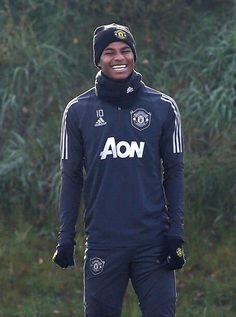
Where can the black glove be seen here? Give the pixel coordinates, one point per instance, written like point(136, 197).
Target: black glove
point(175, 254)
point(64, 255)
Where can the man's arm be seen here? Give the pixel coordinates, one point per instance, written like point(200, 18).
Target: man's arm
point(71, 186)
point(173, 182)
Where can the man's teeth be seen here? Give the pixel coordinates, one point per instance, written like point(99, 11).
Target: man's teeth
point(118, 66)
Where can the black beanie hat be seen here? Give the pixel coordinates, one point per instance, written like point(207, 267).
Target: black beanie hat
point(106, 34)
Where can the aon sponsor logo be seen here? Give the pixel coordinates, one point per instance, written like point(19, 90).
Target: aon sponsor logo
point(122, 149)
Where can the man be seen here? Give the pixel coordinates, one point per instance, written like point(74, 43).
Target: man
point(128, 139)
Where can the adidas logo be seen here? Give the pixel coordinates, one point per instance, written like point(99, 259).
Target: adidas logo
point(100, 122)
point(129, 89)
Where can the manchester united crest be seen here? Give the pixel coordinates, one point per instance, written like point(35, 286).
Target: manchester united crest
point(120, 34)
point(140, 119)
point(96, 265)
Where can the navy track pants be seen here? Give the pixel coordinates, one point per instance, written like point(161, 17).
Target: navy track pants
point(108, 271)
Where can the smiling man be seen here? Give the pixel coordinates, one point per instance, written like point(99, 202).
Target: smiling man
point(117, 61)
point(128, 139)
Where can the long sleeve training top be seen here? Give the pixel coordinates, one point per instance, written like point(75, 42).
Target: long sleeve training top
point(129, 163)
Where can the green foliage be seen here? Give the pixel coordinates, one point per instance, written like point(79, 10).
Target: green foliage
point(209, 115)
point(46, 60)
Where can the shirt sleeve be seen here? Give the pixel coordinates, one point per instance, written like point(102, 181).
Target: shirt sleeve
point(173, 169)
point(71, 148)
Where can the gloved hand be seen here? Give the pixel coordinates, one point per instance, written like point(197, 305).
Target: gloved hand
point(64, 255)
point(175, 254)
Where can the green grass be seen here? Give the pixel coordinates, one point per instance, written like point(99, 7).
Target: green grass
point(33, 286)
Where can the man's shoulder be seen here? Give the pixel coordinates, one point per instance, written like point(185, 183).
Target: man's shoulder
point(81, 100)
point(86, 95)
point(158, 97)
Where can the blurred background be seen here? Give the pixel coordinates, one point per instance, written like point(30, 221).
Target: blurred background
point(186, 49)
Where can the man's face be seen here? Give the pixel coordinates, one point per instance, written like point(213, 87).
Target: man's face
point(117, 61)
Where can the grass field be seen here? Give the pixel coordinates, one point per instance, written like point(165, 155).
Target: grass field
point(32, 286)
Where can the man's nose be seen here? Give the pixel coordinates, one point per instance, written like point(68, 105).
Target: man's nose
point(118, 56)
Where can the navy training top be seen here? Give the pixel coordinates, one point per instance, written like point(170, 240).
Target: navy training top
point(134, 170)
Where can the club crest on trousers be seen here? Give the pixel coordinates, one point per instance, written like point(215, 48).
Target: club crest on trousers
point(96, 265)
